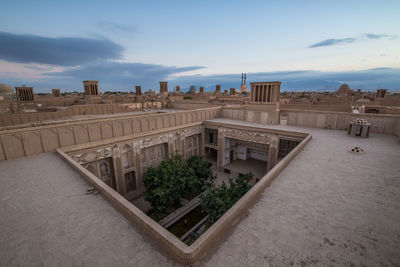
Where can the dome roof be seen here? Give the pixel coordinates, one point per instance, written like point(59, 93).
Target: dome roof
point(344, 87)
point(5, 89)
point(344, 90)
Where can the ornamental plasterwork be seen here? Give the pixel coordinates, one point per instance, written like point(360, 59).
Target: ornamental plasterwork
point(163, 138)
point(250, 136)
point(192, 131)
point(94, 155)
point(116, 151)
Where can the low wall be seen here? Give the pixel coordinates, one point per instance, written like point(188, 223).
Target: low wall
point(187, 104)
point(322, 106)
point(166, 240)
point(34, 140)
point(251, 115)
point(95, 109)
point(387, 124)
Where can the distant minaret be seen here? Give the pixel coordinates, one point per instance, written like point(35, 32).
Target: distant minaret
point(243, 87)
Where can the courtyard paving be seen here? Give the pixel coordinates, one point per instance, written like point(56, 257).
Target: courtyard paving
point(328, 207)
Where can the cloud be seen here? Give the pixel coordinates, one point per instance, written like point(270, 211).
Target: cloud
point(64, 51)
point(375, 36)
point(119, 75)
point(330, 42)
point(370, 79)
point(366, 36)
point(123, 76)
point(117, 29)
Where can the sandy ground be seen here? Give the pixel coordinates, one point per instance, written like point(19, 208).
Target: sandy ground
point(46, 219)
point(328, 207)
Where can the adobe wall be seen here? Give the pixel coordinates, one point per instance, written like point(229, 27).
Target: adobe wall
point(49, 101)
point(383, 109)
point(322, 106)
point(191, 104)
point(388, 124)
point(247, 113)
point(23, 118)
point(34, 140)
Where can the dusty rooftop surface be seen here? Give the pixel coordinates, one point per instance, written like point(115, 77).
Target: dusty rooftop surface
point(328, 207)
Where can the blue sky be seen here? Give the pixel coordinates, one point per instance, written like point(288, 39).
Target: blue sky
point(308, 45)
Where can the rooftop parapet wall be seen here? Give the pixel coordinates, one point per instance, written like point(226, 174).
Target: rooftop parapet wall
point(247, 113)
point(387, 124)
point(24, 118)
point(186, 104)
point(380, 123)
point(323, 106)
point(34, 140)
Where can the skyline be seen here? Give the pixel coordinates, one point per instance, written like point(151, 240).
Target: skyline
point(305, 45)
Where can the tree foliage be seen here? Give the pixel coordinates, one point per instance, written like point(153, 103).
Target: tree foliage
point(163, 183)
point(201, 169)
point(174, 179)
point(217, 200)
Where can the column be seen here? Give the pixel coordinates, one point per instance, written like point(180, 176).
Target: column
point(119, 176)
point(182, 145)
point(278, 92)
point(138, 164)
point(272, 152)
point(220, 152)
point(171, 150)
point(271, 93)
point(263, 94)
point(201, 143)
point(258, 93)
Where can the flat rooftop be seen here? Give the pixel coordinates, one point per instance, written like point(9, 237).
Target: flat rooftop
point(328, 207)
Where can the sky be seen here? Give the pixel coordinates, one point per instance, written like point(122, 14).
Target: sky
point(308, 45)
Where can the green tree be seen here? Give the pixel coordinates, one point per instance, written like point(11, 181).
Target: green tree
point(175, 178)
point(217, 200)
point(165, 183)
point(201, 169)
